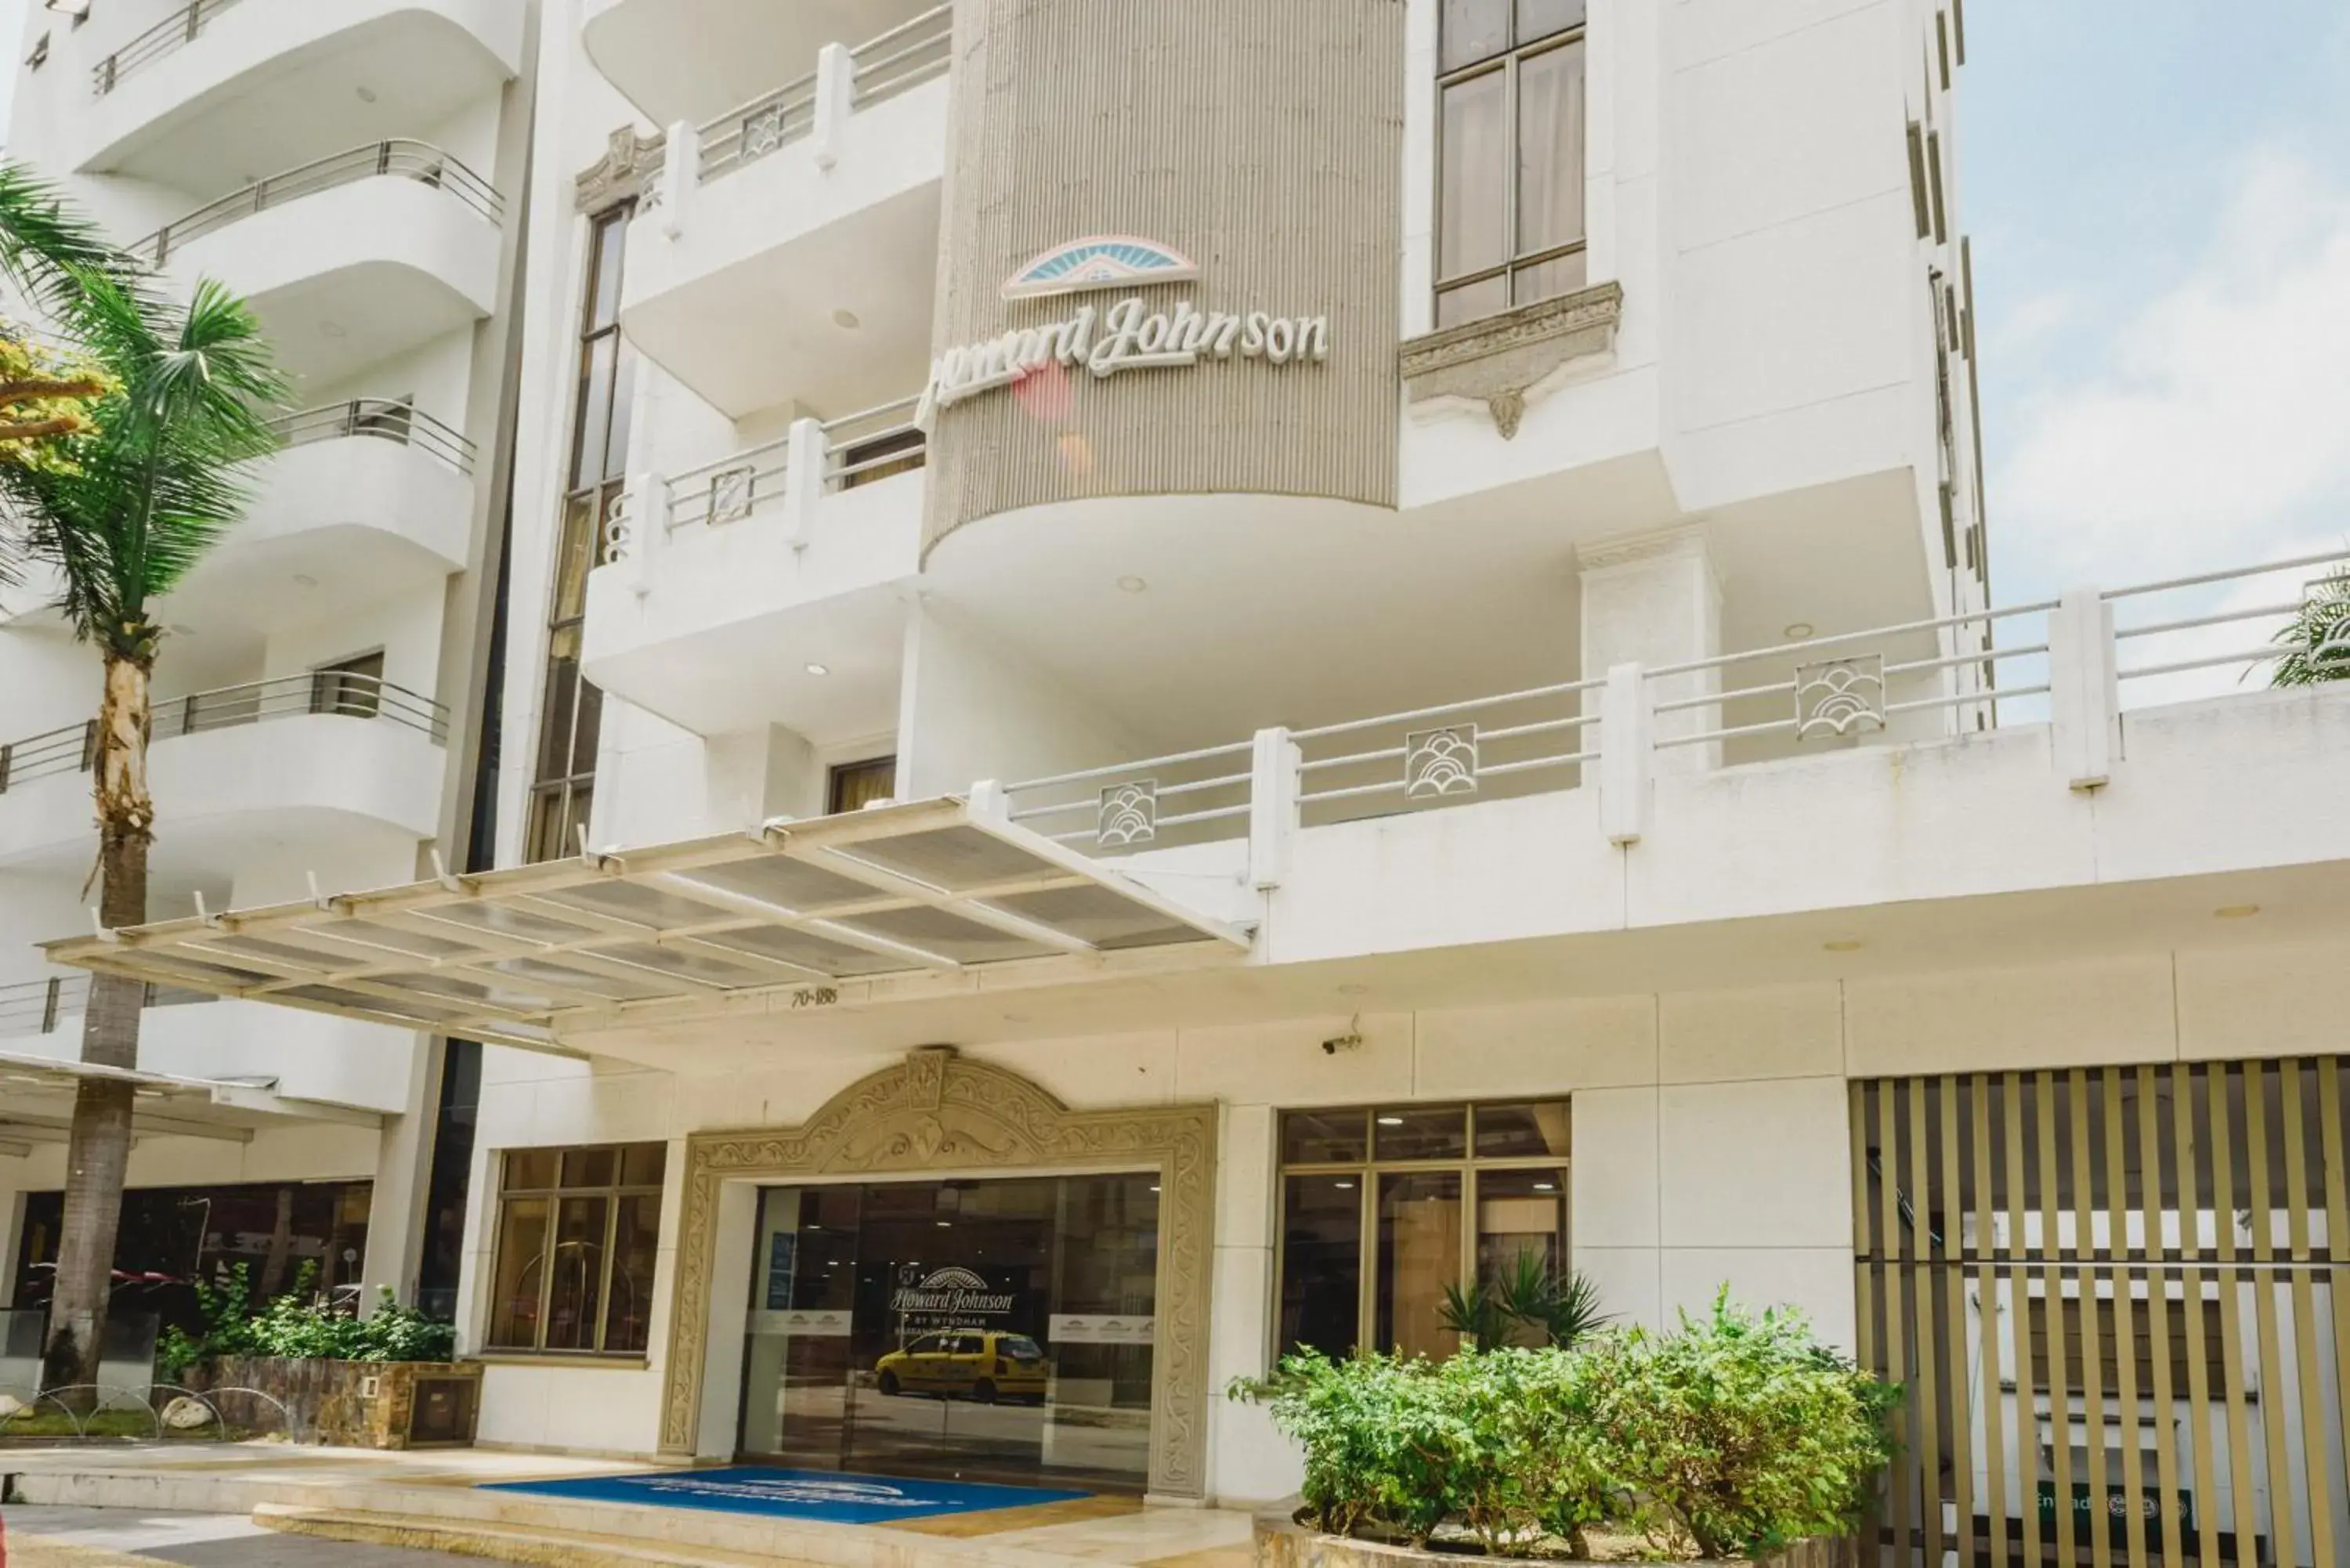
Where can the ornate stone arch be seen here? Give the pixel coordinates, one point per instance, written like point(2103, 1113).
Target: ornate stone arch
point(937, 1111)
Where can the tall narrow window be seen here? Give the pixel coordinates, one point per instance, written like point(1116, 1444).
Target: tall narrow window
point(1510, 227)
point(571, 719)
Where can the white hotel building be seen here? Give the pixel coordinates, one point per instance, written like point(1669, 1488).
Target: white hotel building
point(1170, 674)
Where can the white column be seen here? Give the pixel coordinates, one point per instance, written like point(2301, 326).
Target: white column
point(1248, 1460)
point(404, 1171)
point(1652, 599)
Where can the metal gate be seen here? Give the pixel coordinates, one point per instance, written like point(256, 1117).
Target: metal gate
point(2111, 1294)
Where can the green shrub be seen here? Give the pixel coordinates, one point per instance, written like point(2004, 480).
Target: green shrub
point(1738, 1430)
point(297, 1325)
point(1736, 1433)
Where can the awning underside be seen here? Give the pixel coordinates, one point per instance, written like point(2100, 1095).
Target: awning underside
point(38, 1094)
point(519, 955)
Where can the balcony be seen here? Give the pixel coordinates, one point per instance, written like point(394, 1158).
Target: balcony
point(314, 759)
point(221, 87)
point(689, 60)
point(719, 585)
point(350, 259)
point(370, 497)
point(792, 255)
point(304, 1056)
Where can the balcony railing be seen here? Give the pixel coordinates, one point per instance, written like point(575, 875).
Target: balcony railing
point(37, 1006)
point(855, 450)
point(904, 58)
point(334, 692)
point(381, 418)
point(399, 159)
point(2063, 662)
point(166, 37)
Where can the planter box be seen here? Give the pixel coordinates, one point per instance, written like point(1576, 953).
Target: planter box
point(1283, 1542)
point(364, 1404)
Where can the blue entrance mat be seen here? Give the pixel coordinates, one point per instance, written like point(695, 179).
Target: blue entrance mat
point(821, 1495)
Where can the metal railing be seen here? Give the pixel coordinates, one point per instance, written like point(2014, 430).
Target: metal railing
point(910, 53)
point(398, 159)
point(321, 692)
point(381, 419)
point(914, 51)
point(872, 445)
point(730, 489)
point(37, 1006)
point(166, 37)
point(1942, 677)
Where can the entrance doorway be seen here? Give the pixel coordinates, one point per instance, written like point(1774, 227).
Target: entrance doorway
point(975, 1329)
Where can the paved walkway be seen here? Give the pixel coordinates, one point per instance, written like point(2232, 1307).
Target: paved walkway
point(132, 1538)
point(434, 1499)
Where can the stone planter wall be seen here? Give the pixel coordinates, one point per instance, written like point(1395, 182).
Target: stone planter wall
point(1283, 1542)
point(360, 1404)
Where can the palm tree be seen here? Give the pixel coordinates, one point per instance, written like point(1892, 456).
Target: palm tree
point(134, 504)
point(2318, 636)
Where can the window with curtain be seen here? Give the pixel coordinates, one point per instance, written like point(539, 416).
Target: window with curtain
point(563, 785)
point(1382, 1207)
point(1510, 227)
point(578, 1230)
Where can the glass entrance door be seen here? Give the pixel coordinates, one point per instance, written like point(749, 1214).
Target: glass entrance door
point(981, 1330)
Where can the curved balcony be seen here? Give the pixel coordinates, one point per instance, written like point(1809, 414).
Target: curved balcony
point(330, 757)
point(349, 259)
point(370, 497)
point(722, 585)
point(689, 60)
point(793, 255)
point(220, 88)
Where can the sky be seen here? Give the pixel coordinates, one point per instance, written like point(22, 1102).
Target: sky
point(2159, 195)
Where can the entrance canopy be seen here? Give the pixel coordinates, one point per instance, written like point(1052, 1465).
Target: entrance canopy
point(37, 1103)
point(523, 957)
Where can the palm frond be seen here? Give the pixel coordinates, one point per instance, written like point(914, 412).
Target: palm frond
point(52, 252)
point(2317, 639)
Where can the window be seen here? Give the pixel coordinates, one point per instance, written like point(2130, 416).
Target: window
point(578, 1230)
point(871, 461)
point(1383, 1208)
point(853, 786)
point(352, 687)
point(571, 715)
point(1509, 196)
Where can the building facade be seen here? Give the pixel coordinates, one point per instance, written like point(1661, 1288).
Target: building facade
point(1175, 676)
point(353, 172)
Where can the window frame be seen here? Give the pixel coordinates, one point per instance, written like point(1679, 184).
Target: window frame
point(1368, 1172)
point(614, 1193)
point(1510, 61)
point(842, 774)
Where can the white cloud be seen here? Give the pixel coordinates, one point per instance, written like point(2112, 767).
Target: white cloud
point(2215, 429)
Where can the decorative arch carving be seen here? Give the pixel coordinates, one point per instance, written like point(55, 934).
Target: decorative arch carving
point(937, 1111)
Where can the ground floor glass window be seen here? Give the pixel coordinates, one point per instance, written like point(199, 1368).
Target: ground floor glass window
point(1383, 1209)
point(980, 1329)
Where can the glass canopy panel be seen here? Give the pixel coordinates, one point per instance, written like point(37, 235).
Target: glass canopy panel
point(1102, 915)
point(499, 920)
point(286, 952)
point(645, 906)
point(948, 935)
point(688, 963)
point(954, 858)
point(792, 884)
point(597, 983)
point(376, 934)
point(787, 944)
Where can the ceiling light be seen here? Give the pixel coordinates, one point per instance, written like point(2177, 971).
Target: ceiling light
point(303, 579)
point(1353, 990)
point(367, 95)
point(330, 329)
point(1390, 1121)
point(1797, 631)
point(2236, 911)
point(846, 320)
point(1345, 1185)
point(1545, 1187)
point(1842, 945)
point(1154, 1187)
point(946, 1224)
point(815, 668)
point(1131, 585)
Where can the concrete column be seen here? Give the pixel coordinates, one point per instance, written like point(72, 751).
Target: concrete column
point(1652, 599)
point(403, 1169)
point(1248, 1461)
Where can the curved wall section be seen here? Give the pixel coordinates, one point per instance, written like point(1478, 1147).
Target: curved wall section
point(1260, 142)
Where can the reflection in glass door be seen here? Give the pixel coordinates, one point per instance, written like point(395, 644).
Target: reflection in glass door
point(981, 1329)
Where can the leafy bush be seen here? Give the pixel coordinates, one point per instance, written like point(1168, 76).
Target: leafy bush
point(1736, 1433)
point(299, 1326)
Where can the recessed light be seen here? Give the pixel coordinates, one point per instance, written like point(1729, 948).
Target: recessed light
point(1799, 631)
point(1131, 585)
point(1154, 1187)
point(1390, 1121)
point(367, 95)
point(2236, 911)
point(1842, 945)
point(330, 329)
point(1545, 1187)
point(815, 668)
point(1353, 990)
point(846, 320)
point(946, 1224)
point(1344, 1186)
point(303, 579)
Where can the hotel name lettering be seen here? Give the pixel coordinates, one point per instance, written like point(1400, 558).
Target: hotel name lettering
point(1125, 337)
point(953, 1302)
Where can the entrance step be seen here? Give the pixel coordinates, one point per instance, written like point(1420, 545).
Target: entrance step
point(538, 1545)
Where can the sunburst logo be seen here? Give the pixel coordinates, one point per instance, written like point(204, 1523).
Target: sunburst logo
point(1099, 260)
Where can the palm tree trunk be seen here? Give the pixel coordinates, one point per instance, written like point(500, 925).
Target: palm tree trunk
point(99, 1156)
